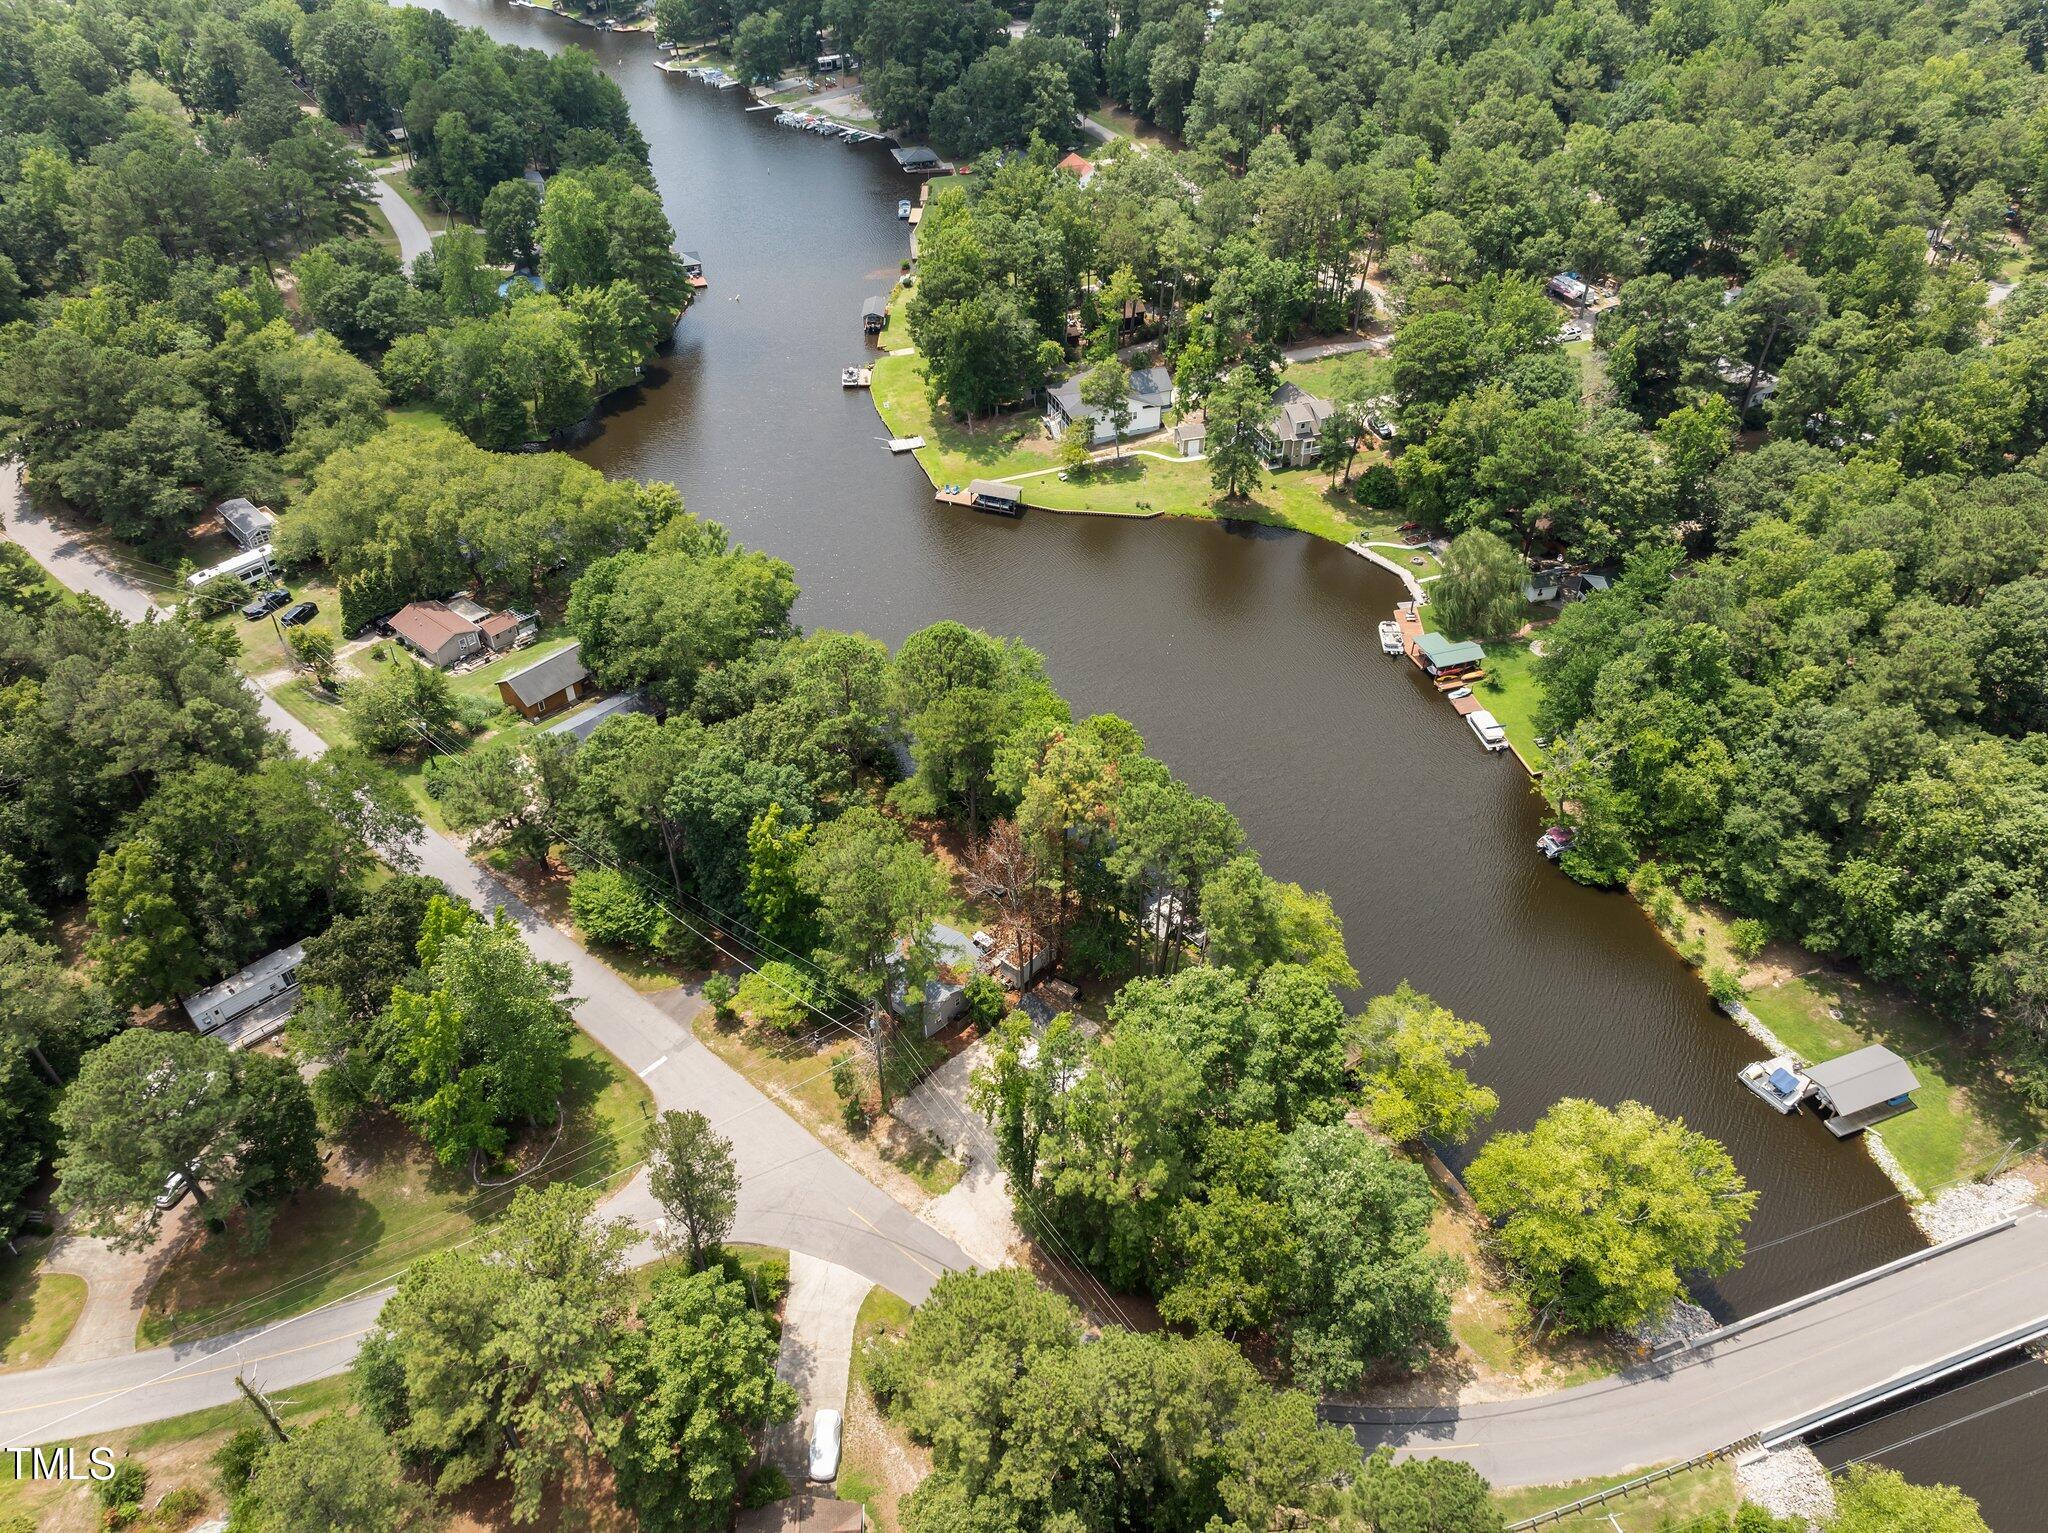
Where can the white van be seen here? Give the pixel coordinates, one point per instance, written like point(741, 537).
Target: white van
point(1487, 727)
point(250, 568)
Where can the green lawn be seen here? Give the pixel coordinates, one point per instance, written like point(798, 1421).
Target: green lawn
point(1963, 1117)
point(1511, 694)
point(1139, 486)
point(37, 1310)
point(384, 1203)
point(1710, 1488)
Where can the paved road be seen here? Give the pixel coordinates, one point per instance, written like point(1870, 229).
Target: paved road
point(413, 238)
point(795, 1193)
point(1760, 1378)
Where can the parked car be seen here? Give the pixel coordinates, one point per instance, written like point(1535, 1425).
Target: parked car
point(825, 1447)
point(266, 603)
point(297, 613)
point(174, 1192)
point(1380, 427)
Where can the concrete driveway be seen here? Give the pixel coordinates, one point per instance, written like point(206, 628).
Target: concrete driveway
point(818, 1317)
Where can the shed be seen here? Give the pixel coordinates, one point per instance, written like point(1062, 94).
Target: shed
point(246, 522)
point(994, 495)
point(436, 632)
point(548, 685)
point(1191, 434)
point(253, 1003)
point(917, 159)
point(874, 314)
point(1863, 1088)
point(1440, 654)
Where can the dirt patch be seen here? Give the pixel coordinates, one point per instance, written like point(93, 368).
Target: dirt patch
point(881, 1465)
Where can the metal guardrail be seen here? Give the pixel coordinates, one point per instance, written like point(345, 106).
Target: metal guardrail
point(1628, 1487)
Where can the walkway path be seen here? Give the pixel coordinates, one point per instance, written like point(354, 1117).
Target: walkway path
point(795, 1193)
point(1758, 1377)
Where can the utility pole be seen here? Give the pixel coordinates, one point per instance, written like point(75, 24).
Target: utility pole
point(263, 1408)
point(877, 1035)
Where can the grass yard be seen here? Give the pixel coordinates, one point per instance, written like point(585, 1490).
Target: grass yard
point(1301, 499)
point(176, 1453)
point(799, 1076)
point(37, 1310)
point(1511, 694)
point(384, 1202)
point(1668, 1503)
point(1963, 1118)
point(1592, 370)
point(263, 646)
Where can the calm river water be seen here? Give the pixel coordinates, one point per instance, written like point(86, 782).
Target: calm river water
point(1249, 660)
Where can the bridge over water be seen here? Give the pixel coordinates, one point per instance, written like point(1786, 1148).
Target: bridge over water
point(1778, 1376)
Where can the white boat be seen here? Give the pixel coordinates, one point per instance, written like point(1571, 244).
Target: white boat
point(1491, 736)
point(1390, 638)
point(905, 443)
point(1779, 1080)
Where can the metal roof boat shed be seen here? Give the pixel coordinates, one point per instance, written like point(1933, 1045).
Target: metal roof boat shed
point(994, 495)
point(915, 158)
point(874, 314)
point(1442, 654)
point(1863, 1088)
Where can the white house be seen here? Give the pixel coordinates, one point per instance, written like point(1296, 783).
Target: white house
point(1148, 396)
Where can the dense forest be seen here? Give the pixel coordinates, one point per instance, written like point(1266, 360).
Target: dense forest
point(193, 304)
point(1812, 434)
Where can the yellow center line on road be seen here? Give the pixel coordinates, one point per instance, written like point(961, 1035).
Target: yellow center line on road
point(179, 1375)
point(864, 1219)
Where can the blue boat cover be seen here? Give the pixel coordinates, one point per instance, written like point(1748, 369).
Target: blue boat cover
point(1784, 1082)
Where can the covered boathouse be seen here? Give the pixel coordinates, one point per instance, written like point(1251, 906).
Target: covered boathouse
point(1855, 1091)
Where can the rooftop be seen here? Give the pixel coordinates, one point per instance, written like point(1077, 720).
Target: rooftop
point(548, 675)
point(580, 725)
point(429, 624)
point(1865, 1079)
point(1296, 412)
point(1441, 652)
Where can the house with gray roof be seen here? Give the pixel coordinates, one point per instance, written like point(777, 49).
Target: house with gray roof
point(950, 959)
point(548, 685)
point(246, 522)
point(1294, 426)
point(1147, 397)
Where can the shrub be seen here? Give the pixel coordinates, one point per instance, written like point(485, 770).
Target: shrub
point(853, 1102)
point(123, 1488)
point(178, 1507)
point(613, 909)
point(1724, 987)
point(1747, 937)
point(1692, 884)
point(777, 995)
point(235, 1460)
point(718, 993)
point(765, 1486)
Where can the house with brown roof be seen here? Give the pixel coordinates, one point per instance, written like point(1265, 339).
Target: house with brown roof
point(1079, 168)
point(548, 685)
point(436, 632)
